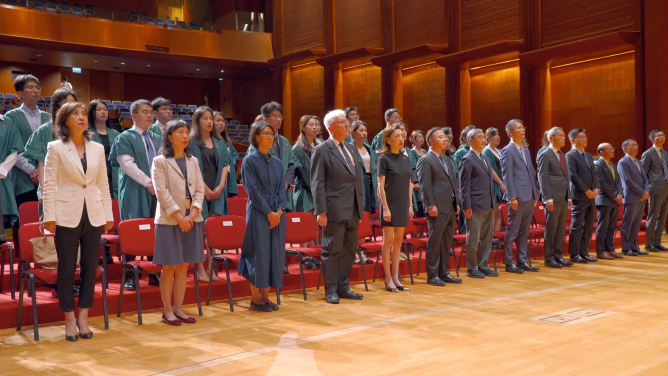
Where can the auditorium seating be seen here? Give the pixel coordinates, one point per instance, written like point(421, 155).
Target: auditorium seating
point(225, 233)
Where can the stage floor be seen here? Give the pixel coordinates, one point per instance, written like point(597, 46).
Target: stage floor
point(482, 327)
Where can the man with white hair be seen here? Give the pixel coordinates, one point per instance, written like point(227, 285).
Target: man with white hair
point(336, 182)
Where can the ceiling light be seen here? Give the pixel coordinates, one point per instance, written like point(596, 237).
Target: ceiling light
point(220, 79)
point(39, 55)
point(222, 71)
point(148, 65)
point(94, 61)
point(197, 68)
point(122, 63)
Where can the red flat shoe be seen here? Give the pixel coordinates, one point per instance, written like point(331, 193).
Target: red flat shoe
point(176, 322)
point(189, 320)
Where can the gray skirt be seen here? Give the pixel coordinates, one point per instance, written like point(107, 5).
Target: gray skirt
point(175, 247)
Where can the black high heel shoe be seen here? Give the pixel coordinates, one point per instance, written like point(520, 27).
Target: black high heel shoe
point(88, 335)
point(403, 288)
point(390, 289)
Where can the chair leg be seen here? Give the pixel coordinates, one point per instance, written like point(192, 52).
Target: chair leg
point(2, 272)
point(461, 253)
point(495, 251)
point(359, 253)
point(136, 277)
point(410, 267)
point(11, 272)
point(104, 256)
point(229, 286)
point(419, 261)
point(535, 255)
point(301, 271)
point(212, 267)
point(199, 298)
point(319, 278)
point(19, 321)
point(120, 297)
point(104, 300)
point(375, 269)
point(35, 321)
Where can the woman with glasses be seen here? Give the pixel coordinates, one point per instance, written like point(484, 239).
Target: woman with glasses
point(263, 247)
point(99, 125)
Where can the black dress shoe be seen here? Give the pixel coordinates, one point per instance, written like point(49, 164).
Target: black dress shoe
point(650, 248)
point(450, 279)
point(563, 262)
point(512, 268)
point(130, 284)
point(436, 281)
point(154, 280)
point(660, 247)
point(260, 307)
point(579, 259)
point(332, 297)
point(630, 253)
point(642, 253)
point(526, 267)
point(589, 258)
point(348, 294)
point(488, 272)
point(474, 273)
point(87, 335)
point(273, 306)
point(553, 264)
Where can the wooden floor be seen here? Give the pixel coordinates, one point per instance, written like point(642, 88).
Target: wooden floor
point(482, 327)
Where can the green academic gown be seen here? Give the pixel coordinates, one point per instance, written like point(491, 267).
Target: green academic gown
point(219, 205)
point(20, 179)
point(302, 197)
point(287, 158)
point(377, 142)
point(10, 142)
point(37, 146)
point(417, 195)
point(155, 129)
point(232, 189)
point(134, 200)
point(112, 133)
point(459, 154)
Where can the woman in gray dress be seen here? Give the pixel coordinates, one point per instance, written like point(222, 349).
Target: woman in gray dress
point(179, 188)
point(396, 187)
point(263, 247)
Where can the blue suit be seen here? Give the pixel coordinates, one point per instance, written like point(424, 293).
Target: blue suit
point(634, 185)
point(520, 181)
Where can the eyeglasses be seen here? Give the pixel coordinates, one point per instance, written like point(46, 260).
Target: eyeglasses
point(268, 135)
point(582, 137)
point(32, 87)
point(660, 135)
point(277, 117)
point(521, 128)
point(147, 112)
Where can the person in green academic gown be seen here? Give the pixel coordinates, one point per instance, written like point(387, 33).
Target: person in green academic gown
point(36, 147)
point(26, 119)
point(369, 161)
point(352, 115)
point(133, 152)
point(415, 153)
point(214, 164)
point(10, 147)
point(272, 113)
point(221, 125)
point(392, 116)
point(308, 131)
point(162, 108)
point(100, 127)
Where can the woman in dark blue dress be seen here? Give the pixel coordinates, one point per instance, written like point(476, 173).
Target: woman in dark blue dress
point(263, 248)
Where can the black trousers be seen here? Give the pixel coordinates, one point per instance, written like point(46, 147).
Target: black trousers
point(441, 230)
point(339, 245)
point(605, 229)
point(583, 215)
point(67, 241)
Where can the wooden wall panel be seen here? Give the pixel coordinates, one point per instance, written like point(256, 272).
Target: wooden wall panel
point(419, 22)
point(302, 24)
point(424, 97)
point(48, 76)
point(307, 94)
point(598, 96)
point(567, 20)
point(358, 24)
point(362, 89)
point(495, 97)
point(488, 21)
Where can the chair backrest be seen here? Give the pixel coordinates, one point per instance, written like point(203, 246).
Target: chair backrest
point(301, 228)
point(27, 232)
point(539, 214)
point(225, 232)
point(411, 229)
point(503, 208)
point(242, 191)
point(365, 231)
point(620, 212)
point(237, 206)
point(137, 236)
point(29, 212)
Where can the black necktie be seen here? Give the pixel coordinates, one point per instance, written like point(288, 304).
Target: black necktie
point(347, 158)
point(445, 164)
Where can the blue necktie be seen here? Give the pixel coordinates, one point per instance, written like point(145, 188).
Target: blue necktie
point(149, 148)
point(445, 164)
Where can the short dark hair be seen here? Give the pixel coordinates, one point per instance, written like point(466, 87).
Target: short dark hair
point(387, 133)
point(446, 130)
point(60, 125)
point(348, 109)
point(573, 133)
point(653, 133)
point(432, 132)
point(167, 149)
point(465, 132)
point(510, 125)
point(64, 78)
point(270, 107)
point(390, 112)
point(491, 131)
point(159, 102)
point(57, 99)
point(626, 143)
point(255, 130)
point(134, 107)
point(22, 80)
point(92, 111)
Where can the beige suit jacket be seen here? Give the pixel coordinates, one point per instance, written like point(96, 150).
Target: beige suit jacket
point(170, 188)
point(67, 188)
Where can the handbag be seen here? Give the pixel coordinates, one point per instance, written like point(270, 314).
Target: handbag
point(44, 251)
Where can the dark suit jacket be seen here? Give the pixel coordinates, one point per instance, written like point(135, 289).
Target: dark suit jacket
point(634, 181)
point(553, 181)
point(475, 182)
point(610, 187)
point(438, 188)
point(519, 178)
point(333, 186)
point(581, 173)
point(651, 161)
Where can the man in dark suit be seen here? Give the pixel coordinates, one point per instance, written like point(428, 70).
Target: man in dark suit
point(582, 176)
point(436, 175)
point(607, 202)
point(337, 195)
point(476, 187)
point(556, 195)
point(636, 188)
point(519, 177)
point(655, 162)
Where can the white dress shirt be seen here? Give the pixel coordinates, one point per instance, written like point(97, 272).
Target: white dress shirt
point(128, 165)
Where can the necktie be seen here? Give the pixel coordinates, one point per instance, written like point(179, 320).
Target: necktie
point(585, 158)
point(561, 159)
point(637, 165)
point(445, 164)
point(665, 167)
point(524, 157)
point(611, 169)
point(149, 148)
point(278, 146)
point(351, 166)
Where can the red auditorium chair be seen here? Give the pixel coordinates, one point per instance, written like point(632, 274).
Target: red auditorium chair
point(112, 235)
point(32, 274)
point(237, 206)
point(241, 191)
point(7, 248)
point(302, 228)
point(28, 213)
point(364, 232)
point(137, 238)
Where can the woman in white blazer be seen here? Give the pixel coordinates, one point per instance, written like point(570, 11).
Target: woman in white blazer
point(179, 241)
point(77, 209)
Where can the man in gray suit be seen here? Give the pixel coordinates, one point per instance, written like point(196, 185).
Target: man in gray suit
point(655, 162)
point(476, 187)
point(636, 188)
point(519, 177)
point(583, 192)
point(337, 195)
point(607, 202)
point(554, 187)
point(436, 175)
